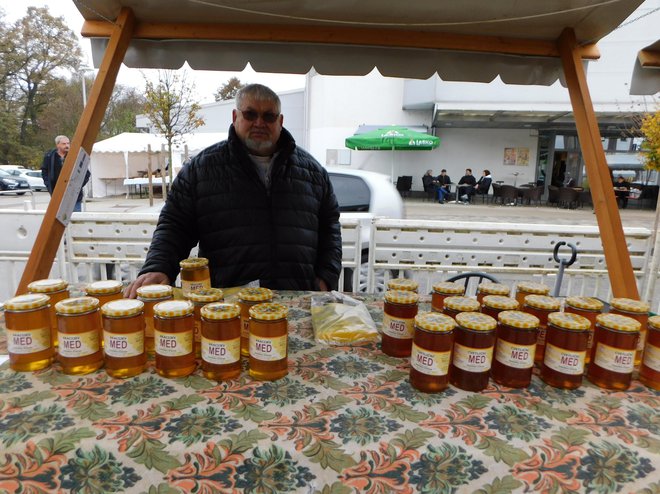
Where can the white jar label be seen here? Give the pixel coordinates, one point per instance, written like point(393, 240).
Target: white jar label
point(221, 352)
point(652, 357)
point(78, 345)
point(268, 349)
point(123, 345)
point(614, 359)
point(173, 344)
point(472, 359)
point(564, 361)
point(642, 340)
point(515, 355)
point(188, 287)
point(396, 327)
point(428, 362)
point(245, 327)
point(540, 338)
point(28, 341)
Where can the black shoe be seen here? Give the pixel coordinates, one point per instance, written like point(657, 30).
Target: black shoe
point(441, 202)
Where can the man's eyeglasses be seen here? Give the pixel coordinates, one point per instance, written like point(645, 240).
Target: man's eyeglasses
point(251, 116)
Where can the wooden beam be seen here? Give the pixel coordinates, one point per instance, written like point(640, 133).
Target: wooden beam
point(617, 257)
point(649, 58)
point(50, 234)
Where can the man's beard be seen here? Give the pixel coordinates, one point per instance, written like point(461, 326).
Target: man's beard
point(259, 147)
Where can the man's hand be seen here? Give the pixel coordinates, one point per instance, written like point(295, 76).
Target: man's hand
point(323, 286)
point(145, 279)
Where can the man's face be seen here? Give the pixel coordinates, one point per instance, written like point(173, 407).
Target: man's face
point(63, 146)
point(468, 172)
point(258, 135)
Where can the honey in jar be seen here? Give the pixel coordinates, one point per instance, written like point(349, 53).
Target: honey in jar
point(492, 305)
point(400, 309)
point(441, 291)
point(565, 350)
point(431, 352)
point(541, 306)
point(525, 288)
point(29, 338)
point(489, 288)
point(173, 338)
point(200, 298)
point(649, 371)
point(221, 341)
point(123, 334)
point(194, 274)
point(79, 331)
point(515, 346)
point(56, 290)
point(105, 291)
point(456, 305)
point(150, 295)
point(639, 311)
point(588, 307)
point(402, 284)
point(474, 341)
point(269, 345)
point(248, 297)
point(613, 353)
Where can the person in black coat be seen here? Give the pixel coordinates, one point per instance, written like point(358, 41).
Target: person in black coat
point(466, 185)
point(444, 187)
point(51, 166)
point(622, 191)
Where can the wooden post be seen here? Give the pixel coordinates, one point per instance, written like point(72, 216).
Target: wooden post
point(50, 234)
point(617, 257)
point(150, 178)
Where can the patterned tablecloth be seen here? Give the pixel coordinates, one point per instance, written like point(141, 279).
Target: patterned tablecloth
point(343, 420)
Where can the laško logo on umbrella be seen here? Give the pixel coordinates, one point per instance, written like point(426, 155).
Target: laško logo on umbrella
point(420, 142)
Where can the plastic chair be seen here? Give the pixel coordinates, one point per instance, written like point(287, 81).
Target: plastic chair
point(509, 194)
point(471, 275)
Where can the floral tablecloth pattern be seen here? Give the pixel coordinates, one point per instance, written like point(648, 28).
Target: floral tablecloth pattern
point(344, 420)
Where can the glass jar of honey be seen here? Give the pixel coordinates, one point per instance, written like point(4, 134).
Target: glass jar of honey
point(541, 306)
point(29, 338)
point(489, 288)
point(194, 274)
point(588, 307)
point(269, 341)
point(150, 295)
point(248, 297)
point(565, 350)
point(200, 298)
point(123, 336)
point(525, 288)
point(403, 284)
point(441, 291)
point(613, 353)
point(492, 305)
point(639, 311)
point(105, 291)
point(514, 349)
point(400, 309)
point(431, 352)
point(79, 331)
point(649, 371)
point(56, 290)
point(173, 338)
point(474, 341)
point(221, 341)
point(456, 305)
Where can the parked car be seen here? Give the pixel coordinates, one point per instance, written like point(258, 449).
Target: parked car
point(33, 177)
point(9, 182)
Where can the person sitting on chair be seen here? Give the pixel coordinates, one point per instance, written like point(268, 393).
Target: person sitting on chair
point(444, 189)
point(429, 182)
point(466, 185)
point(483, 184)
point(622, 191)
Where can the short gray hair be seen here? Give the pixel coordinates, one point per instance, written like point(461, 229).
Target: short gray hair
point(257, 92)
point(59, 138)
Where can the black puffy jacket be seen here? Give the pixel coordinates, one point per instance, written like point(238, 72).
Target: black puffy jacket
point(285, 237)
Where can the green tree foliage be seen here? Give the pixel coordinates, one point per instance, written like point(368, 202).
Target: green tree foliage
point(229, 89)
point(650, 127)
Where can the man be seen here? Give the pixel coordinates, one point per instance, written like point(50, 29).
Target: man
point(443, 181)
point(622, 191)
point(466, 185)
point(483, 184)
point(260, 207)
point(429, 182)
point(51, 166)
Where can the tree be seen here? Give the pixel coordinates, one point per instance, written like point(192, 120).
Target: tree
point(229, 89)
point(650, 127)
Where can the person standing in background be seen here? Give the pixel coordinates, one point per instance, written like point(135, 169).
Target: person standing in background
point(51, 167)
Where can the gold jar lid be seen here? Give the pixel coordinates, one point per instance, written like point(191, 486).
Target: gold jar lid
point(220, 310)
point(449, 287)
point(618, 322)
point(174, 308)
point(530, 287)
point(29, 301)
point(476, 321)
point(568, 320)
point(654, 322)
point(194, 263)
point(630, 305)
point(586, 303)
point(124, 307)
point(401, 297)
point(491, 288)
point(461, 304)
point(154, 291)
point(105, 287)
point(542, 302)
point(434, 321)
point(402, 284)
point(501, 302)
point(255, 294)
point(206, 295)
point(47, 286)
point(518, 319)
point(76, 305)
point(269, 312)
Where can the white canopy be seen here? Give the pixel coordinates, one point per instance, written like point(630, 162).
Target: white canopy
point(646, 74)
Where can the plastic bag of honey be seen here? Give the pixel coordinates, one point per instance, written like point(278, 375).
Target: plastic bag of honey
point(338, 319)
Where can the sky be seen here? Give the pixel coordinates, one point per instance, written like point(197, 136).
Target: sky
point(206, 82)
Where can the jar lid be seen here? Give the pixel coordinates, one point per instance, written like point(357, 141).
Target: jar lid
point(476, 321)
point(76, 305)
point(491, 288)
point(586, 303)
point(501, 302)
point(542, 302)
point(461, 304)
point(269, 311)
point(449, 287)
point(654, 321)
point(618, 322)
point(206, 295)
point(255, 294)
point(434, 321)
point(194, 263)
point(629, 305)
point(530, 287)
point(47, 286)
point(28, 301)
point(401, 297)
point(174, 308)
point(518, 319)
point(124, 307)
point(402, 284)
point(220, 310)
point(568, 320)
point(154, 291)
point(103, 287)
